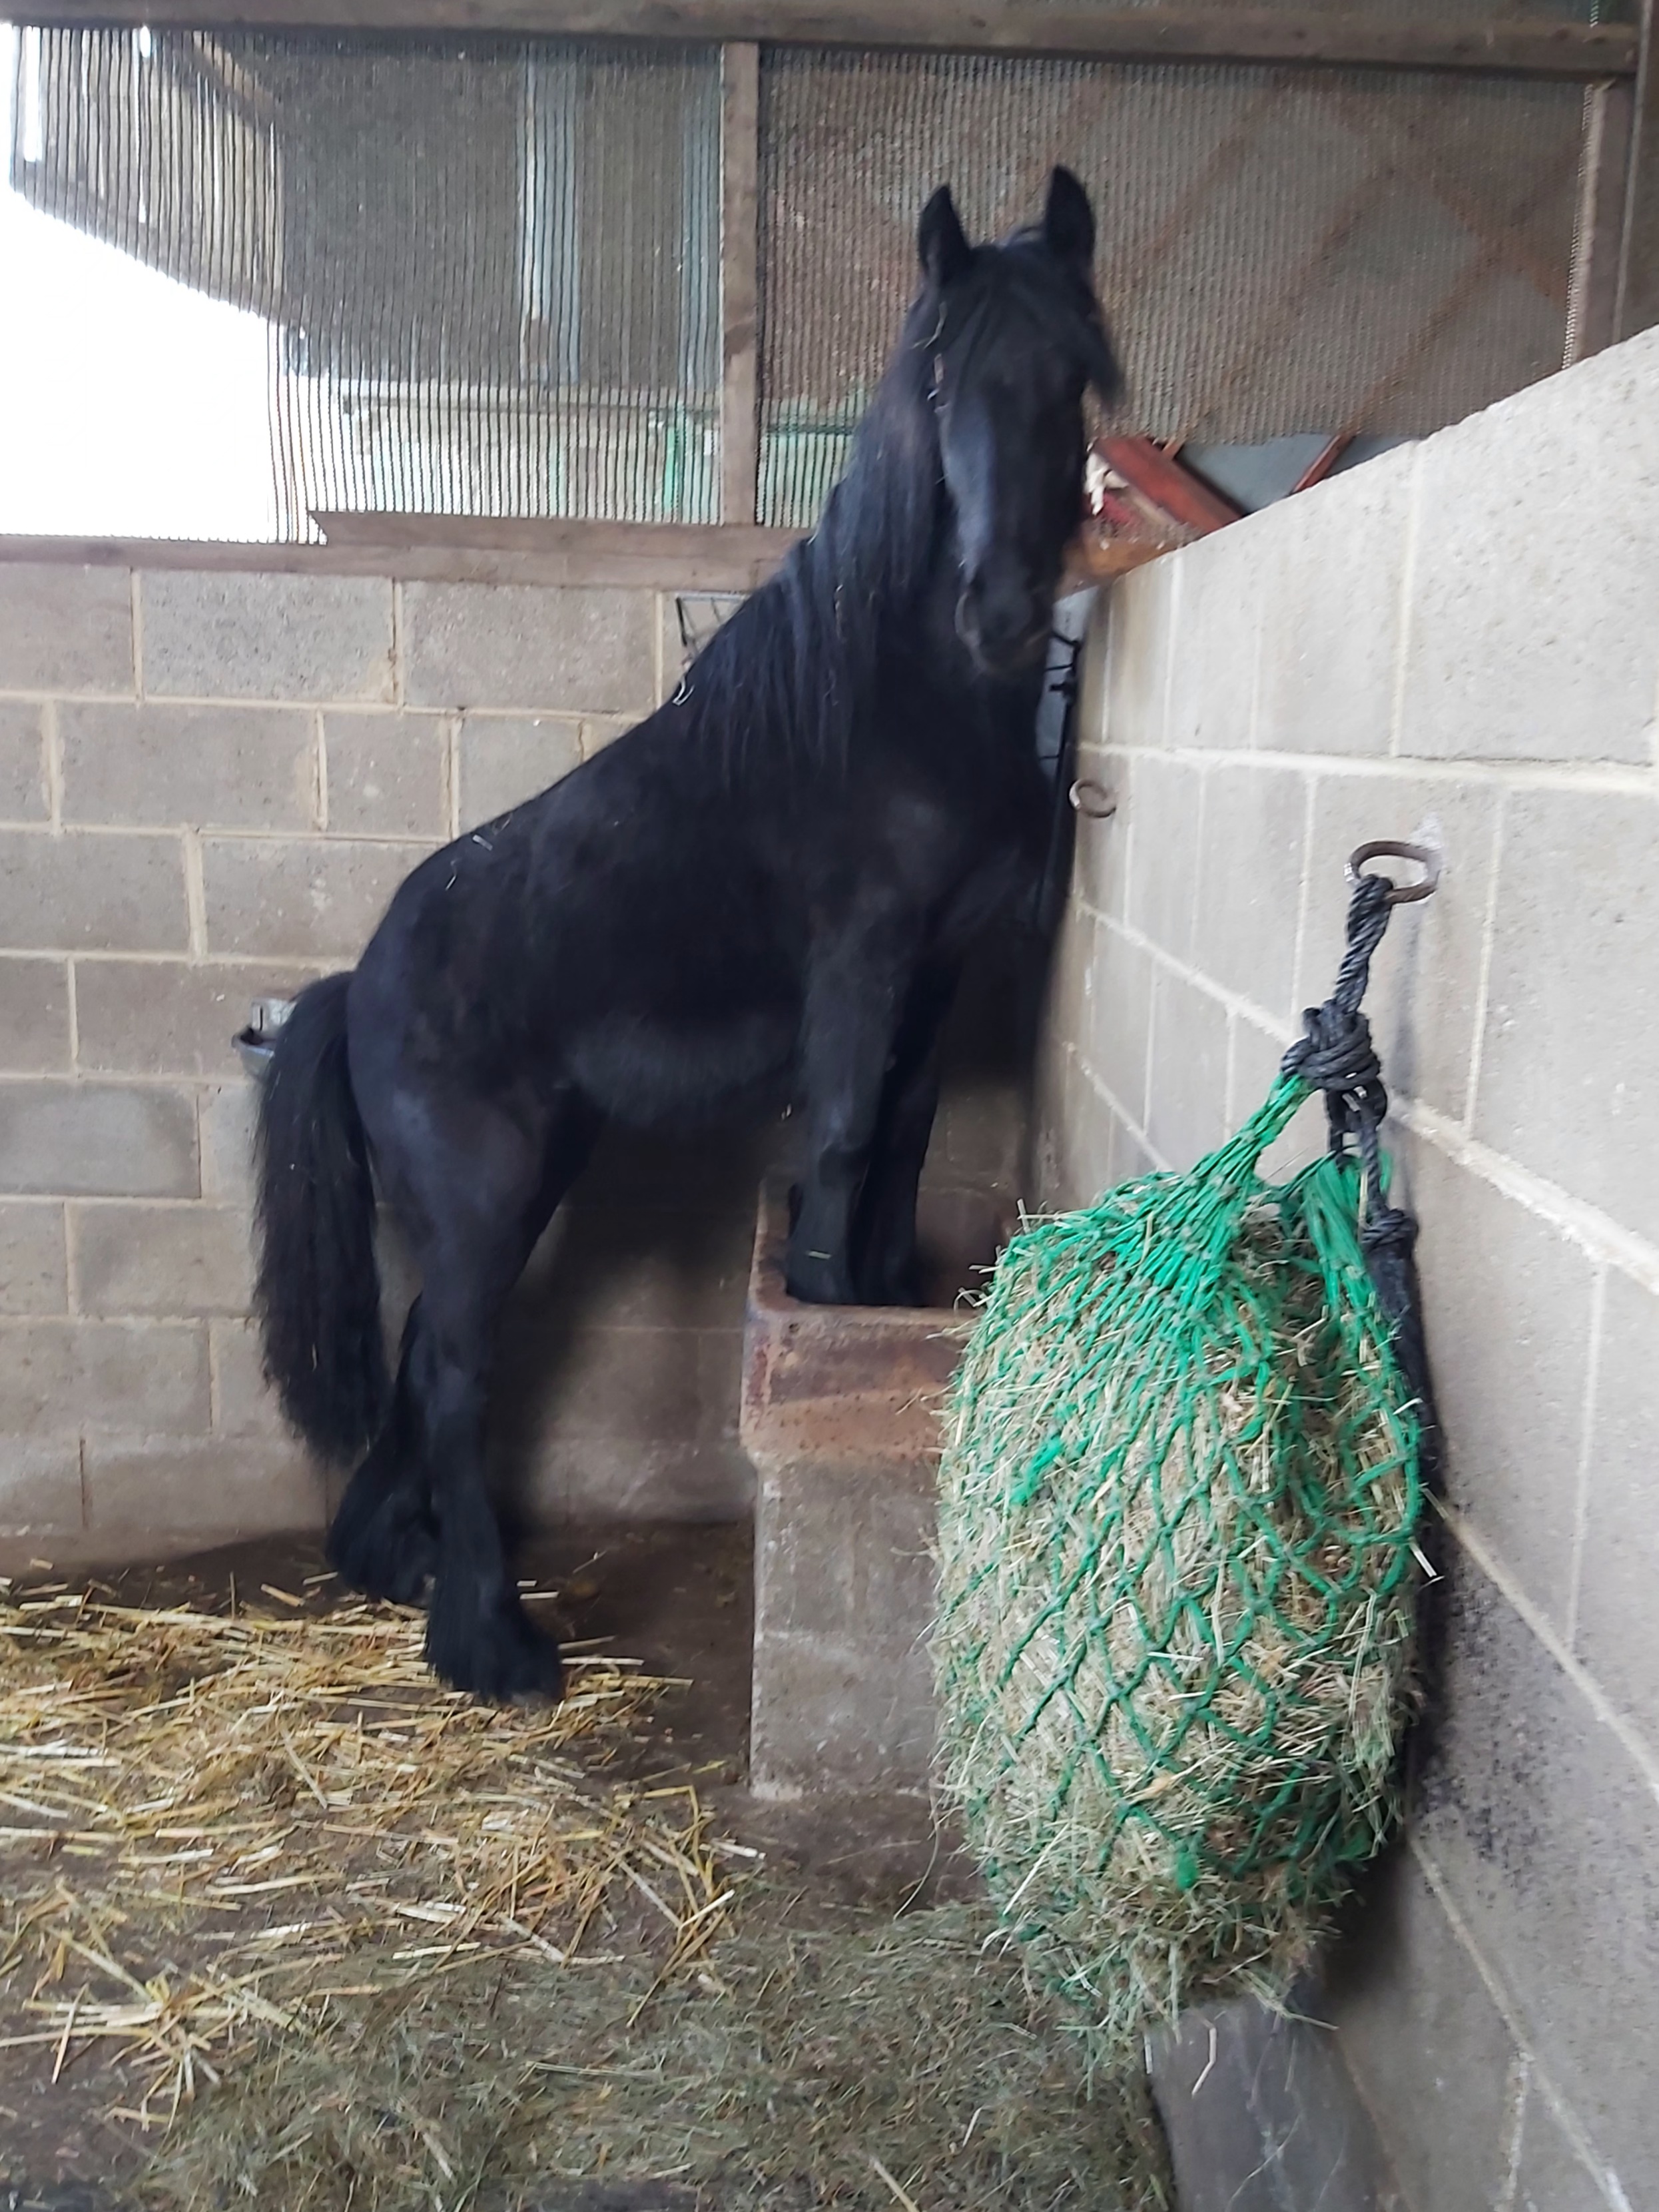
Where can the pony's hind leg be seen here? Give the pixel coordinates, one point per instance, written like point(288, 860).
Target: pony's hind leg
point(383, 1541)
point(478, 1189)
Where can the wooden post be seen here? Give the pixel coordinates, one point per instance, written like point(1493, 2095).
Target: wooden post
point(1598, 227)
point(1638, 302)
point(739, 281)
point(1342, 37)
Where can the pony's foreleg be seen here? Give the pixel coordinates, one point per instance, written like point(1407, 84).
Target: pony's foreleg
point(884, 1262)
point(856, 995)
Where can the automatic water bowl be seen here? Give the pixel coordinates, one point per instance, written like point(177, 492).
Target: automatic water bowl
point(257, 1042)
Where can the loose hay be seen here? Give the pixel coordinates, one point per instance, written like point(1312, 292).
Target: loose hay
point(1179, 1493)
point(823, 2055)
point(446, 1965)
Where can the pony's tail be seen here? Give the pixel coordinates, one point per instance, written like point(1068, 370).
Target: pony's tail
point(318, 1290)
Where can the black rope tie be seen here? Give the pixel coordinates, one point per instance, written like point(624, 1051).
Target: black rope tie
point(1335, 1054)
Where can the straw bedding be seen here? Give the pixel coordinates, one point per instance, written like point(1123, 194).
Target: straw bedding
point(332, 1938)
point(290, 1791)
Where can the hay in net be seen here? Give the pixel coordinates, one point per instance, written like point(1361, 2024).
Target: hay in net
point(1173, 1649)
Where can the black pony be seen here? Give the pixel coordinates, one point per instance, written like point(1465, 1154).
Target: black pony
point(776, 875)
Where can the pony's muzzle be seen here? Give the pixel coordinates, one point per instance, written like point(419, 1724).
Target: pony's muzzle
point(1004, 629)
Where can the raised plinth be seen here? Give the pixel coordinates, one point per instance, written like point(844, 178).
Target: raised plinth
point(841, 1417)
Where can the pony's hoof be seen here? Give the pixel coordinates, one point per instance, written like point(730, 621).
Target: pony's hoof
point(891, 1286)
point(392, 1556)
point(817, 1281)
point(495, 1656)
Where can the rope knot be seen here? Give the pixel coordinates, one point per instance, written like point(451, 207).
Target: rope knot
point(1388, 1231)
point(1336, 1055)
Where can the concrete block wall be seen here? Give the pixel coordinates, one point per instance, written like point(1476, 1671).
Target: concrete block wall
point(1457, 644)
point(210, 783)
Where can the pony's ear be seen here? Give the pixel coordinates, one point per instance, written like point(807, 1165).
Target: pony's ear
point(941, 241)
point(1068, 221)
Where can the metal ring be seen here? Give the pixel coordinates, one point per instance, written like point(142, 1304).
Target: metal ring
point(1091, 799)
point(1389, 848)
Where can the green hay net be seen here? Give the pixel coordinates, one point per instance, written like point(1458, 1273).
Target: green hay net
point(1179, 1489)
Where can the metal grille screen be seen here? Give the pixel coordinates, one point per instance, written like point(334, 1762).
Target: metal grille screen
point(1280, 250)
point(492, 271)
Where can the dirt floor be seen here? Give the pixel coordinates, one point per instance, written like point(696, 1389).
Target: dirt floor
point(678, 1600)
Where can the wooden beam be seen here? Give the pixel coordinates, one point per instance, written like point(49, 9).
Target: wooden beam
point(739, 281)
point(458, 548)
point(1598, 226)
point(1637, 308)
point(536, 534)
point(1348, 38)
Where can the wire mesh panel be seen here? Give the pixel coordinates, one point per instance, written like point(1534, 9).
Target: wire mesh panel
point(170, 156)
point(1280, 250)
point(491, 266)
point(491, 269)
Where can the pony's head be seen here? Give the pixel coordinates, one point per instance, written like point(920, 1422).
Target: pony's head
point(1012, 337)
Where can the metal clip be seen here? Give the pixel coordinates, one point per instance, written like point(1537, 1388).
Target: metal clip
point(1381, 848)
point(1092, 799)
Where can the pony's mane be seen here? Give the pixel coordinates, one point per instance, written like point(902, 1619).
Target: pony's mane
point(781, 680)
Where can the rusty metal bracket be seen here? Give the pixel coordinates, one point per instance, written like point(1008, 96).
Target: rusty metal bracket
point(1158, 476)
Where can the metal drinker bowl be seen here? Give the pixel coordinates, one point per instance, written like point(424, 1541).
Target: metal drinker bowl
point(256, 1043)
